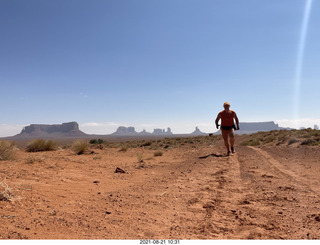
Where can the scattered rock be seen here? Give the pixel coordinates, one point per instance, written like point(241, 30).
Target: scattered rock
point(96, 182)
point(245, 202)
point(119, 170)
point(108, 212)
point(317, 218)
point(209, 205)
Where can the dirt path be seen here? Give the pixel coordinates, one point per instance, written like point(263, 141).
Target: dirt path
point(188, 193)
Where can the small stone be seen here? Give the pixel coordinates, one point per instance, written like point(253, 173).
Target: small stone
point(96, 181)
point(119, 170)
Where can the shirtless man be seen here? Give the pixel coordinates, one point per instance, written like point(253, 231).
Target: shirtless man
point(227, 117)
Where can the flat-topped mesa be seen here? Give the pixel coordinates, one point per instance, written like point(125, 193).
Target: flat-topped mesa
point(70, 129)
point(158, 131)
point(125, 131)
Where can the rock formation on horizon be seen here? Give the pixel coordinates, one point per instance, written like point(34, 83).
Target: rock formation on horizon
point(125, 131)
point(159, 131)
point(64, 130)
point(130, 131)
point(198, 132)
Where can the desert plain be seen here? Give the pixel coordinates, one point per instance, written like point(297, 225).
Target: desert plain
point(172, 188)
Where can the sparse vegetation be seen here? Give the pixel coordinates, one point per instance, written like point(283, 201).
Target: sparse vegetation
point(7, 150)
point(139, 157)
point(5, 192)
point(310, 142)
point(41, 145)
point(251, 142)
point(124, 148)
point(158, 154)
point(292, 141)
point(34, 158)
point(96, 141)
point(307, 137)
point(80, 146)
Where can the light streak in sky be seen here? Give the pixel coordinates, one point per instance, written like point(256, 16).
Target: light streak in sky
point(300, 57)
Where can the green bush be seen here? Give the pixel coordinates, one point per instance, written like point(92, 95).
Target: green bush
point(7, 150)
point(41, 145)
point(96, 141)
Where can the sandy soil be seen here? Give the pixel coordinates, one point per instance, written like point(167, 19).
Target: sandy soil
point(190, 192)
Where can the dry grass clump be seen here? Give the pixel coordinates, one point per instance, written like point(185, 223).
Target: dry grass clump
point(124, 148)
point(139, 157)
point(41, 145)
point(158, 154)
point(7, 150)
point(250, 142)
point(80, 146)
point(5, 192)
point(34, 158)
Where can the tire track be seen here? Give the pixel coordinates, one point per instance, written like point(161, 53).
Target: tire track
point(281, 168)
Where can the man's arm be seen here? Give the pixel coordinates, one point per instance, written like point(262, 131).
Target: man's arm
point(237, 120)
point(217, 120)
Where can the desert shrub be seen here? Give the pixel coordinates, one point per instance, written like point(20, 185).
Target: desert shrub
point(124, 148)
point(250, 142)
point(269, 139)
point(139, 157)
point(41, 145)
point(7, 150)
point(80, 146)
point(309, 142)
point(158, 154)
point(34, 158)
point(292, 141)
point(96, 141)
point(5, 192)
point(148, 143)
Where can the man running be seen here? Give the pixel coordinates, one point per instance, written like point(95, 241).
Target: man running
point(227, 127)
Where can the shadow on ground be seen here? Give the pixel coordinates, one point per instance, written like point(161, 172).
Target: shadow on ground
point(213, 155)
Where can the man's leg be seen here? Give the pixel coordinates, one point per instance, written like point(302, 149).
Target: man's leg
point(231, 134)
point(225, 134)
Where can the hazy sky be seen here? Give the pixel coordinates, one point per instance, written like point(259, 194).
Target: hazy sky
point(155, 63)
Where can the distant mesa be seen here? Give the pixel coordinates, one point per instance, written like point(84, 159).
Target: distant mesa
point(125, 131)
point(159, 131)
point(254, 127)
point(130, 131)
point(64, 130)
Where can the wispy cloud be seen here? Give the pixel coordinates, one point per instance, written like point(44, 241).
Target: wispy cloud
point(10, 130)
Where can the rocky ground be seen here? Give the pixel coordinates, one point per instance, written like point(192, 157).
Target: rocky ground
point(191, 191)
